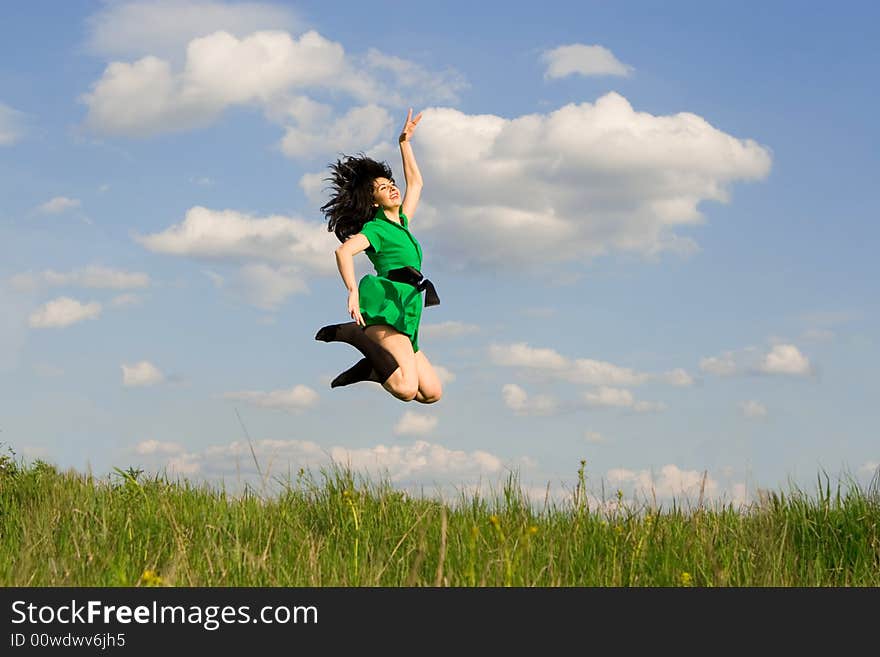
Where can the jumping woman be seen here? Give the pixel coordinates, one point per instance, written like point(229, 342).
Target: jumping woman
point(366, 213)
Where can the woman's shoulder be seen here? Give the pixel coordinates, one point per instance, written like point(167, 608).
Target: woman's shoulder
point(372, 224)
point(376, 233)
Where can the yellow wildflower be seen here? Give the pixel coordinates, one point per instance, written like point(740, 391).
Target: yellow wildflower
point(151, 578)
point(686, 579)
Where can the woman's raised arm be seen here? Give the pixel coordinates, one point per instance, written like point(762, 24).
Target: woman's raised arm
point(411, 172)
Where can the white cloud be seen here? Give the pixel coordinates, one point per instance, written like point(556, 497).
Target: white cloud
point(226, 234)
point(738, 495)
point(781, 359)
point(314, 185)
point(444, 374)
point(785, 359)
point(142, 99)
point(753, 409)
point(62, 312)
point(300, 110)
point(579, 370)
point(58, 205)
point(678, 377)
point(672, 482)
point(421, 462)
point(157, 447)
point(444, 86)
point(519, 401)
point(267, 69)
point(267, 287)
point(606, 396)
point(277, 252)
point(869, 467)
point(263, 286)
point(649, 407)
point(11, 125)
point(298, 398)
point(184, 464)
point(415, 424)
point(593, 437)
point(594, 372)
point(450, 329)
point(93, 276)
point(422, 459)
point(515, 397)
point(724, 365)
point(578, 182)
point(124, 29)
point(360, 125)
point(521, 354)
point(147, 97)
point(141, 374)
point(581, 59)
point(418, 467)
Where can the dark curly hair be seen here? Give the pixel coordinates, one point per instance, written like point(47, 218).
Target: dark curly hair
point(351, 203)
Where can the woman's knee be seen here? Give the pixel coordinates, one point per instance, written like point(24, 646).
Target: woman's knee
point(403, 385)
point(431, 394)
point(404, 381)
point(405, 393)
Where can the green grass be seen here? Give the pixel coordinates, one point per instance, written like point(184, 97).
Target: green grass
point(338, 529)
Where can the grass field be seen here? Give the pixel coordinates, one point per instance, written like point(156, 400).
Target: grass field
point(338, 529)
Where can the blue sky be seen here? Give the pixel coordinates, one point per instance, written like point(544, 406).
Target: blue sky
point(651, 229)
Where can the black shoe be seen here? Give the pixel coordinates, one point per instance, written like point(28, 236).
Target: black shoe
point(328, 333)
point(360, 371)
point(350, 332)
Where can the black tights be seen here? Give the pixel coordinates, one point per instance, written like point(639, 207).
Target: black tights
point(377, 365)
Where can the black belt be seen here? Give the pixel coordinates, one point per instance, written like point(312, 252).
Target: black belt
point(414, 277)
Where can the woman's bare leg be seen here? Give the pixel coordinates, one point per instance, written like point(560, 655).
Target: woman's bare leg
point(430, 388)
point(404, 381)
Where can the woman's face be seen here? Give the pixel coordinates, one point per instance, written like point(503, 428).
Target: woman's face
point(385, 193)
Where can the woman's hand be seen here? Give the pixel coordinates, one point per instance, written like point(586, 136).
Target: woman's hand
point(354, 307)
point(409, 127)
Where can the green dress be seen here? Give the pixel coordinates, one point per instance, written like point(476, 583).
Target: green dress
point(384, 301)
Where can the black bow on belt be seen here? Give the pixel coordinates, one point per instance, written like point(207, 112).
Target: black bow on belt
point(414, 277)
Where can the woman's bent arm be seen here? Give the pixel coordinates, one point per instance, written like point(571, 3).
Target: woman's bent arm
point(345, 263)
